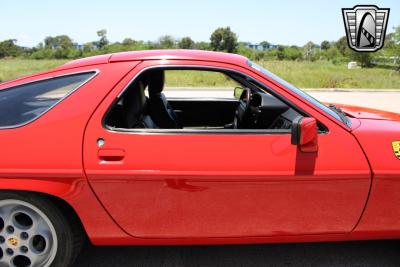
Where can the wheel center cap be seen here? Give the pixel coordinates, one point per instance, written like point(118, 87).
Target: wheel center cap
point(13, 241)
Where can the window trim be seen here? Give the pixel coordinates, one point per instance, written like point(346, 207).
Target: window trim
point(199, 131)
point(156, 131)
point(94, 71)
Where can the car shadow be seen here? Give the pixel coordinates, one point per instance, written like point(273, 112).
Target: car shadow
point(360, 253)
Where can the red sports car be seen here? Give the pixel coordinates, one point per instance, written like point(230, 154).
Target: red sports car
point(95, 149)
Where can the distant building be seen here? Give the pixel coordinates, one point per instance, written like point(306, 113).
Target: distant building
point(260, 47)
point(55, 46)
point(78, 46)
point(75, 45)
point(90, 46)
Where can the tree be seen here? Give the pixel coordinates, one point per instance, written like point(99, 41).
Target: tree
point(395, 49)
point(247, 52)
point(396, 35)
point(166, 42)
point(8, 48)
point(265, 44)
point(365, 58)
point(223, 39)
point(309, 51)
point(88, 47)
point(325, 45)
point(58, 47)
point(103, 38)
point(333, 54)
point(202, 46)
point(389, 41)
point(186, 43)
point(58, 42)
point(292, 53)
point(342, 45)
point(129, 41)
point(49, 42)
point(280, 54)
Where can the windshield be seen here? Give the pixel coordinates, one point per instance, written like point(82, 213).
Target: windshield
point(334, 111)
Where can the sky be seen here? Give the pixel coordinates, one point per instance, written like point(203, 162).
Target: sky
point(278, 21)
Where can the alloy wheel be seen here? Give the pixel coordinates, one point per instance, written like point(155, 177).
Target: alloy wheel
point(27, 236)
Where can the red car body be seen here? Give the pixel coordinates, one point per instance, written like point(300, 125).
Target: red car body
point(201, 188)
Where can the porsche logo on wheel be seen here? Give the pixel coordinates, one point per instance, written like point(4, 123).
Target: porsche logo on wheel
point(13, 241)
point(396, 148)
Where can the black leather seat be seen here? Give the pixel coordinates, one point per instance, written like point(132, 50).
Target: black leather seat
point(135, 108)
point(159, 109)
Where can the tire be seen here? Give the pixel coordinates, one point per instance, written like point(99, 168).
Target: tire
point(34, 232)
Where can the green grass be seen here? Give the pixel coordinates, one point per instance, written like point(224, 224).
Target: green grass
point(324, 74)
point(320, 74)
point(14, 68)
point(192, 78)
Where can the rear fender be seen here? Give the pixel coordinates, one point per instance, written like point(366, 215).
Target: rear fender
point(99, 226)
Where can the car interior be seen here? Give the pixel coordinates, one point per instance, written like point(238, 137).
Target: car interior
point(143, 105)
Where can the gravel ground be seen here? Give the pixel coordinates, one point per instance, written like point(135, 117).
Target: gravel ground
point(363, 253)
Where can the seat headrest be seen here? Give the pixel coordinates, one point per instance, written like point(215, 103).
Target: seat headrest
point(134, 103)
point(156, 81)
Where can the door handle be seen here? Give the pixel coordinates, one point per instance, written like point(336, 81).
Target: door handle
point(111, 154)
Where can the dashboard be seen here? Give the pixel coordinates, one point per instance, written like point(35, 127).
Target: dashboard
point(268, 112)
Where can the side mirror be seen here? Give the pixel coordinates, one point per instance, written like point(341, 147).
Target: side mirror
point(237, 93)
point(305, 134)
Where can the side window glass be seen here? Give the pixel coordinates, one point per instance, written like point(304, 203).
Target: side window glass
point(24, 103)
point(198, 100)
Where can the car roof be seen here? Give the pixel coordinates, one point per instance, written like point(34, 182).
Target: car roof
point(180, 54)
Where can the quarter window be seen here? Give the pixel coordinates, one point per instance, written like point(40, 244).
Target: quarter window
point(24, 103)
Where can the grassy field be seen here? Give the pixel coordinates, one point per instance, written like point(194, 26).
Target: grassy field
point(323, 74)
point(319, 74)
point(14, 68)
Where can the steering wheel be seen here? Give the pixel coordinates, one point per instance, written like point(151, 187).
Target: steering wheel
point(242, 110)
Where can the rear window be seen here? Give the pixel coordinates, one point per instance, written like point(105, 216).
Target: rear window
point(22, 104)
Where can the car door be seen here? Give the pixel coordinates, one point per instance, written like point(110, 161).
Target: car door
point(197, 184)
